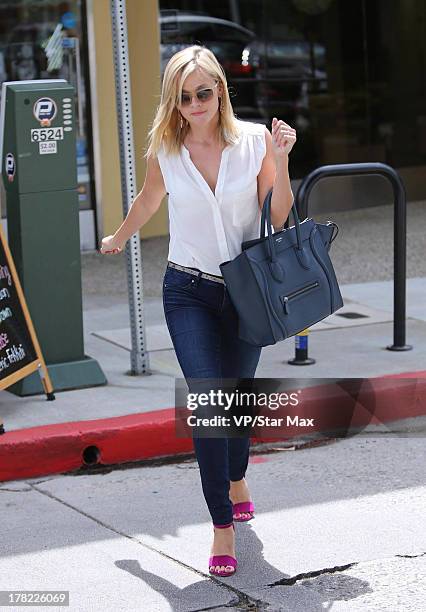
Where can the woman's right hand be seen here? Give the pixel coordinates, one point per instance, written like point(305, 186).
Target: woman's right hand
point(110, 245)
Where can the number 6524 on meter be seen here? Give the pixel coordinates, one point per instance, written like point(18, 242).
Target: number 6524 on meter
point(42, 134)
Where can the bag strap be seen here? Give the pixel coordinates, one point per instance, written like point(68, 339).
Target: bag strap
point(266, 217)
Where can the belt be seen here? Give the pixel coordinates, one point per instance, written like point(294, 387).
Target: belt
point(217, 279)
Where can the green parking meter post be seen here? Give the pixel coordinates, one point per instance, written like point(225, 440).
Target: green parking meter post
point(39, 170)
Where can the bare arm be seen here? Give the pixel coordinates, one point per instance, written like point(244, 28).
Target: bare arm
point(274, 174)
point(145, 204)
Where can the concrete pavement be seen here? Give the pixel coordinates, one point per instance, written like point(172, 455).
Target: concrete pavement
point(344, 347)
point(337, 527)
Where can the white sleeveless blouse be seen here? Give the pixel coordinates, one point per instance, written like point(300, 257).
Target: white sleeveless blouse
point(207, 228)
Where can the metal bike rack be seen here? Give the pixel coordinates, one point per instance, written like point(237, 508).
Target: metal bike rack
point(400, 231)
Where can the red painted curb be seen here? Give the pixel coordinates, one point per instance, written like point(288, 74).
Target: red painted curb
point(52, 449)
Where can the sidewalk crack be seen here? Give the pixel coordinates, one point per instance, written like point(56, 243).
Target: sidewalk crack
point(243, 604)
point(312, 574)
point(244, 601)
point(329, 570)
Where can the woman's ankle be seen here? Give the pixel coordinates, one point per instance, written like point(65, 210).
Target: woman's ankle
point(223, 526)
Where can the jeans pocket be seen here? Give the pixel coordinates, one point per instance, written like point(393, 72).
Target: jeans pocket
point(178, 279)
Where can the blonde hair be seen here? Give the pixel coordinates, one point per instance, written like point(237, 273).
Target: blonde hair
point(166, 128)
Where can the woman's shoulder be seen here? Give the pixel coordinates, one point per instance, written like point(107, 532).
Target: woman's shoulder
point(251, 128)
point(164, 153)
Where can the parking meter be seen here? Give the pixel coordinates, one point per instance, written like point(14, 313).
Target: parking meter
point(39, 170)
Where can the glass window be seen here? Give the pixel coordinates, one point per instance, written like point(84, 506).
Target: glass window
point(347, 75)
point(25, 30)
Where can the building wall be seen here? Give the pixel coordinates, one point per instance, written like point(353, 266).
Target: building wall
point(144, 50)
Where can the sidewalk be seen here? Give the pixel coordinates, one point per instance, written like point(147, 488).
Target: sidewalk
point(131, 418)
point(55, 434)
point(337, 527)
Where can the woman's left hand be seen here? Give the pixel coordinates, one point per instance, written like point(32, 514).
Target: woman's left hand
point(283, 137)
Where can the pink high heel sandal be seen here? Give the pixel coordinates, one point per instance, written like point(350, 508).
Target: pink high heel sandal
point(243, 507)
point(225, 560)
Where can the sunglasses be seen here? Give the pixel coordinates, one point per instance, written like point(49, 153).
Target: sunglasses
point(203, 95)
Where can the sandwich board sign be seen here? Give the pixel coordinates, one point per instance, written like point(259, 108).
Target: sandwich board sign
point(20, 352)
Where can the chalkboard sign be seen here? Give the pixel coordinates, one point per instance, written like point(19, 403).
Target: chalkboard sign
point(20, 353)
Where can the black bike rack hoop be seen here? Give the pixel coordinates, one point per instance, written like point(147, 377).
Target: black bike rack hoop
point(400, 231)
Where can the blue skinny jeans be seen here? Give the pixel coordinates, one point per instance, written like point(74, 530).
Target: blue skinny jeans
point(203, 326)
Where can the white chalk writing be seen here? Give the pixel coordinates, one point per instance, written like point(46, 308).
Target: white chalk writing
point(4, 293)
point(5, 273)
point(5, 313)
point(15, 353)
point(3, 364)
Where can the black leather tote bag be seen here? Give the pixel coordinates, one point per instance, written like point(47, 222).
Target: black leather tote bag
point(282, 283)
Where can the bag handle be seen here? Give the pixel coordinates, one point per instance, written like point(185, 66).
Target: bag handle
point(266, 216)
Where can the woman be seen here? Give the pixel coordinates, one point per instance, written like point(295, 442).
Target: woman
point(217, 171)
